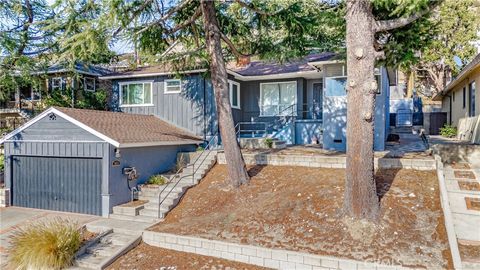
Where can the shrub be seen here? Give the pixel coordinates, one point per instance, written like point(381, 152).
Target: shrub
point(45, 245)
point(269, 142)
point(157, 180)
point(200, 149)
point(448, 131)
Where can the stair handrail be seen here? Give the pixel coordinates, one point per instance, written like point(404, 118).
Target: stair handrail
point(239, 124)
point(207, 150)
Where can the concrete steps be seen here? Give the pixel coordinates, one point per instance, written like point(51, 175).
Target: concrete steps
point(169, 195)
point(261, 143)
point(106, 250)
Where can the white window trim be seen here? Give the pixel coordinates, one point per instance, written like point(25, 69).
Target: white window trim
point(120, 91)
point(166, 91)
point(61, 83)
point(85, 84)
point(261, 95)
point(230, 93)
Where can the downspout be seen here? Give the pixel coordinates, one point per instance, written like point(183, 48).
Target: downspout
point(450, 109)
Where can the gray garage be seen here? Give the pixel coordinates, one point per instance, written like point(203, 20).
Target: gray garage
point(73, 160)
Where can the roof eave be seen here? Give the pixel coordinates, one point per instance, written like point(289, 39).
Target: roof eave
point(159, 143)
point(126, 76)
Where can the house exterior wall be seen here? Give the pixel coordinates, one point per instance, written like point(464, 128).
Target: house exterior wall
point(457, 110)
point(147, 161)
point(193, 109)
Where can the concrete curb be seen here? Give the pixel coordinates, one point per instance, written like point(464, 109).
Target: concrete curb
point(452, 237)
point(330, 161)
point(265, 257)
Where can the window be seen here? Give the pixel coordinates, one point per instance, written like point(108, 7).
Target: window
point(136, 94)
point(472, 99)
point(173, 86)
point(277, 98)
point(453, 96)
point(234, 94)
point(464, 97)
point(89, 84)
point(57, 83)
point(336, 87)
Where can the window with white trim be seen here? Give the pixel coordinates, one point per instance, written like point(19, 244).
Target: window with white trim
point(234, 94)
point(57, 83)
point(89, 84)
point(136, 94)
point(173, 86)
point(276, 98)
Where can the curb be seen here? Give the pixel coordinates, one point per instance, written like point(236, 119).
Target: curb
point(451, 235)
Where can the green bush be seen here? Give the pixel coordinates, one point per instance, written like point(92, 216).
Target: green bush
point(45, 245)
point(269, 142)
point(157, 180)
point(2, 160)
point(448, 131)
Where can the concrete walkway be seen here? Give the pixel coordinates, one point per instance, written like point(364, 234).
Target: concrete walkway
point(463, 188)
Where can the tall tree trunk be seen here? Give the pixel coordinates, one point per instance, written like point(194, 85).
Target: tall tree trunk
point(361, 200)
point(237, 171)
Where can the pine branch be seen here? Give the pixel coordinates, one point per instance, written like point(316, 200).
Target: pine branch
point(232, 47)
point(257, 10)
point(178, 27)
point(387, 25)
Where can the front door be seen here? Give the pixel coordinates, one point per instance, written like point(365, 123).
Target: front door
point(316, 107)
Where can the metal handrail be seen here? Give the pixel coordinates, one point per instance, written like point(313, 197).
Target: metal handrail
point(177, 174)
point(240, 130)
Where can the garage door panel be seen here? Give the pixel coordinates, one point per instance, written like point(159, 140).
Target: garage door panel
point(61, 184)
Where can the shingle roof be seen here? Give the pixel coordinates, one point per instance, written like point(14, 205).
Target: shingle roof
point(81, 68)
point(261, 68)
point(130, 128)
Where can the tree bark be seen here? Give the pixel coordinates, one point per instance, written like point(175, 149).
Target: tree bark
point(237, 171)
point(361, 200)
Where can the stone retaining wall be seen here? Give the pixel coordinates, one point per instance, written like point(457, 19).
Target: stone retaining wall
point(4, 197)
point(266, 257)
point(330, 162)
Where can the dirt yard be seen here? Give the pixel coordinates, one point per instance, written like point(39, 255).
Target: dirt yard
point(149, 257)
point(298, 208)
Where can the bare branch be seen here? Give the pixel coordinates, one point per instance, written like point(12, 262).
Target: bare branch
point(232, 47)
point(386, 25)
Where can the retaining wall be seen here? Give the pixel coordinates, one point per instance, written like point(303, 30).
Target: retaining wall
point(4, 197)
point(330, 162)
point(266, 257)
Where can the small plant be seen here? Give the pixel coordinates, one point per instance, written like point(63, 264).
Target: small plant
point(269, 142)
point(448, 131)
point(200, 149)
point(157, 180)
point(45, 245)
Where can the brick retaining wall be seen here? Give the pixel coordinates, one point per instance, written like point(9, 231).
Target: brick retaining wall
point(266, 257)
point(330, 162)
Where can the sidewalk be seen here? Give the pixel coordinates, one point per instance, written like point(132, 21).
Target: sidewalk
point(463, 188)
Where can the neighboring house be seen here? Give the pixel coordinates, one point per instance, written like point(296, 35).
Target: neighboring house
point(70, 81)
point(301, 102)
point(461, 101)
point(461, 97)
point(74, 160)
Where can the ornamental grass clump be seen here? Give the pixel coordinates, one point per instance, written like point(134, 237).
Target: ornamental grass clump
point(45, 245)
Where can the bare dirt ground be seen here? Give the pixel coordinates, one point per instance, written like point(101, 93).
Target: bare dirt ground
point(149, 257)
point(297, 208)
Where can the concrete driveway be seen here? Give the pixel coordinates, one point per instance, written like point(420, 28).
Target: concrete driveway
point(12, 218)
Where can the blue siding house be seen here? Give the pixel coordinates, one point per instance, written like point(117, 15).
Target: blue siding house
point(75, 160)
point(299, 102)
